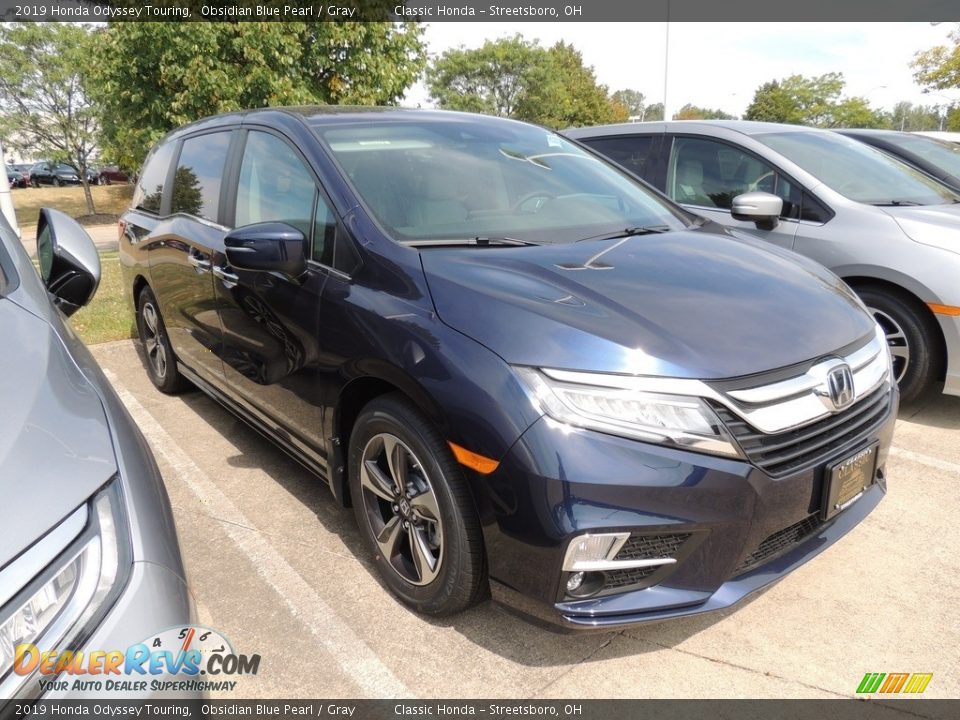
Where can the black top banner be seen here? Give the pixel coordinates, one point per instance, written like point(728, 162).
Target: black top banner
point(480, 10)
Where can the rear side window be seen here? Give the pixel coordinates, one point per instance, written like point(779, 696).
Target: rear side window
point(629, 151)
point(199, 175)
point(149, 192)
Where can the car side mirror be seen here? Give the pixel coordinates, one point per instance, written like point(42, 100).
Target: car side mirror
point(69, 262)
point(761, 208)
point(267, 247)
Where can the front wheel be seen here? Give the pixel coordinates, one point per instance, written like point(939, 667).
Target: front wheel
point(161, 362)
point(56, 182)
point(414, 508)
point(913, 338)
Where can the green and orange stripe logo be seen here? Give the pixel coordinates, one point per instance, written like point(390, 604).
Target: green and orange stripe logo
point(914, 683)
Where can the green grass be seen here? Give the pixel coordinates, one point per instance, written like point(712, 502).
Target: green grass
point(109, 316)
point(109, 201)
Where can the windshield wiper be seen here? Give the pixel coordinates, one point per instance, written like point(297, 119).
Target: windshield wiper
point(894, 203)
point(630, 232)
point(481, 241)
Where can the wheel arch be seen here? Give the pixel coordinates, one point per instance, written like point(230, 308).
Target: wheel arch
point(376, 380)
point(857, 281)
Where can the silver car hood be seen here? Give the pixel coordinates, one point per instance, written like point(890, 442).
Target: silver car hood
point(934, 225)
point(55, 446)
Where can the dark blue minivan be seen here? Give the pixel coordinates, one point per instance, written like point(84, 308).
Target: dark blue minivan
point(525, 370)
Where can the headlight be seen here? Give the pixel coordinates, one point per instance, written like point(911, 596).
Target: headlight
point(58, 609)
point(577, 399)
point(882, 337)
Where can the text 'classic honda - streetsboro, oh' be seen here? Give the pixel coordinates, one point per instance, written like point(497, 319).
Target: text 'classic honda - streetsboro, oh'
point(526, 371)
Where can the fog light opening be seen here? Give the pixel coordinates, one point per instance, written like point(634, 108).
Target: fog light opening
point(584, 584)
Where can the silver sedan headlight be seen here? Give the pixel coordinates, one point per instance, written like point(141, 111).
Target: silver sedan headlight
point(577, 399)
point(58, 609)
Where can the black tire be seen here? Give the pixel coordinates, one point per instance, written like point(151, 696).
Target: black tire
point(913, 336)
point(56, 182)
point(161, 362)
point(459, 577)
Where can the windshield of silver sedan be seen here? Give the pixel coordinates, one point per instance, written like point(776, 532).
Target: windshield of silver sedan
point(460, 180)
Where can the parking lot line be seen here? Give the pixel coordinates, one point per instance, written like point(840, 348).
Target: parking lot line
point(358, 662)
point(925, 459)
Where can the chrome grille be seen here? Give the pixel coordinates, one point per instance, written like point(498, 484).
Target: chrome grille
point(780, 453)
point(781, 541)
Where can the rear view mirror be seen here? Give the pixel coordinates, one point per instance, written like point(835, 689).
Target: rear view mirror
point(69, 263)
point(761, 208)
point(267, 247)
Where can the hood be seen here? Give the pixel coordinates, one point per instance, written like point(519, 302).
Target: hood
point(55, 447)
point(681, 304)
point(934, 225)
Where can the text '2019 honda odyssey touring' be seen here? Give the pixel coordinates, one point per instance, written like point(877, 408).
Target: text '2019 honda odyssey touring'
point(523, 369)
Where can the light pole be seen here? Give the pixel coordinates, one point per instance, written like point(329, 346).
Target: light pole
point(942, 110)
point(667, 115)
point(6, 202)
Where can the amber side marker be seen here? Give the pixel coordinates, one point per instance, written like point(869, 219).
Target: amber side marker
point(944, 309)
point(472, 460)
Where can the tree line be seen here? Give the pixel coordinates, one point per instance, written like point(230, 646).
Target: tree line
point(72, 93)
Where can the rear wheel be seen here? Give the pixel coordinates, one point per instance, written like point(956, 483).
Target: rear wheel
point(414, 508)
point(912, 336)
point(161, 362)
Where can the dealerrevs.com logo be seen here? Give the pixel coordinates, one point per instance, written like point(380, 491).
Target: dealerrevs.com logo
point(889, 683)
point(186, 659)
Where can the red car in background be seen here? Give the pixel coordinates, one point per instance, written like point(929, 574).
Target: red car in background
point(110, 174)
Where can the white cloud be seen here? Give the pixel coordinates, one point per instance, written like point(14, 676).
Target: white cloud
point(720, 65)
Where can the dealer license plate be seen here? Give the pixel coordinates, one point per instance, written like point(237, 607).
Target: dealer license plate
point(848, 479)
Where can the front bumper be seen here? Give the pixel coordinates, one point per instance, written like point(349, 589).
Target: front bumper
point(745, 529)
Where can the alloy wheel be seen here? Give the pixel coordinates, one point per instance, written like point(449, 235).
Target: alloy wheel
point(401, 507)
point(152, 340)
point(897, 340)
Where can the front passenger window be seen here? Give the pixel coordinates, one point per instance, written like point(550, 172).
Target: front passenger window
point(275, 185)
point(711, 174)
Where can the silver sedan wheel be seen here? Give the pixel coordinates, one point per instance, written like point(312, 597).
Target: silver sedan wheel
point(897, 340)
point(402, 509)
point(152, 341)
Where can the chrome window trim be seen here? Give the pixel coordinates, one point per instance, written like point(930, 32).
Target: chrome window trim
point(772, 408)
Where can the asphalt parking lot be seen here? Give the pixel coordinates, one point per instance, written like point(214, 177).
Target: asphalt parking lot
point(278, 568)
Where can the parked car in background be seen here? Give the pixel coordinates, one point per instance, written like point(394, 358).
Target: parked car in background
point(527, 371)
point(890, 231)
point(951, 137)
point(89, 557)
point(110, 174)
point(24, 169)
point(56, 174)
point(937, 158)
point(15, 177)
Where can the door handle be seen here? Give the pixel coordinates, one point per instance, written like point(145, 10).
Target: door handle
point(199, 264)
point(229, 279)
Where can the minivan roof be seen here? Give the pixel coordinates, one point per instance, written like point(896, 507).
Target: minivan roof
point(746, 127)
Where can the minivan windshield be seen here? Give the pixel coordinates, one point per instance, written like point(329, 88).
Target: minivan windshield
point(463, 178)
point(858, 171)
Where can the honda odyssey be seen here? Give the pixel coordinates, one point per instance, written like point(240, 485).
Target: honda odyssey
point(524, 370)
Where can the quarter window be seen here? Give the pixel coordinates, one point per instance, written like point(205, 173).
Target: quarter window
point(196, 184)
point(149, 193)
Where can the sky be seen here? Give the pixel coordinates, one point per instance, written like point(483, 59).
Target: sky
point(720, 65)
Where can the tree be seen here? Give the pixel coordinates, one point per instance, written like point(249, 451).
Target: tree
point(44, 106)
point(654, 112)
point(513, 77)
point(633, 101)
point(908, 117)
point(153, 77)
point(692, 112)
point(816, 101)
point(939, 67)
